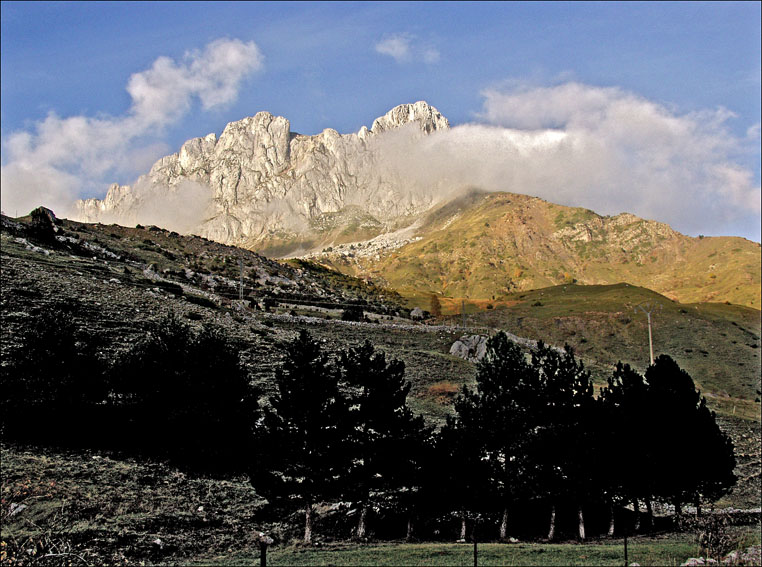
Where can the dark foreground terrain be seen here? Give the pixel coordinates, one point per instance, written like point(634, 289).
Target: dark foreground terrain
point(92, 507)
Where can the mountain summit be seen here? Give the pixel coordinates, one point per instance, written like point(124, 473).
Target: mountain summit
point(262, 186)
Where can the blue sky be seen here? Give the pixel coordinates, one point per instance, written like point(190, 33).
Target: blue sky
point(340, 65)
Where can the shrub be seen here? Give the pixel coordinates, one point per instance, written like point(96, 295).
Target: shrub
point(185, 395)
point(352, 313)
point(200, 300)
point(54, 380)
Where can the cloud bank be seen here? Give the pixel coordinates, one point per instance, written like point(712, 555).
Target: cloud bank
point(61, 157)
point(405, 48)
point(600, 148)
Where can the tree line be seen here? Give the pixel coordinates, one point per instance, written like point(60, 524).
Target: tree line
point(530, 440)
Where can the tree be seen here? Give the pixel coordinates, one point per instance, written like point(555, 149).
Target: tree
point(53, 381)
point(460, 470)
point(626, 465)
point(306, 431)
point(185, 395)
point(567, 430)
point(507, 395)
point(435, 307)
point(385, 432)
point(695, 458)
point(493, 434)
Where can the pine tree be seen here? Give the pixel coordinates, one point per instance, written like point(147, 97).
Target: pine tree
point(695, 458)
point(305, 431)
point(385, 430)
point(459, 480)
point(493, 436)
point(567, 431)
point(626, 464)
point(507, 399)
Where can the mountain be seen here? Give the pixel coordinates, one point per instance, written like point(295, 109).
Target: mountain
point(340, 200)
point(266, 188)
point(485, 246)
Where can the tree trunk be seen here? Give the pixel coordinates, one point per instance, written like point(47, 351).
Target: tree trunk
point(611, 520)
point(361, 525)
point(462, 525)
point(581, 525)
point(409, 536)
point(552, 530)
point(308, 524)
point(504, 524)
point(636, 509)
point(650, 514)
point(698, 507)
point(678, 508)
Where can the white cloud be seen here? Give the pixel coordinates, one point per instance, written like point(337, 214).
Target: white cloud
point(601, 148)
point(405, 48)
point(52, 163)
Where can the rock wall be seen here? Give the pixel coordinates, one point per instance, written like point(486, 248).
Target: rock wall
point(260, 181)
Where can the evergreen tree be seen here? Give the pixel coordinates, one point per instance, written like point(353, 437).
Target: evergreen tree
point(460, 472)
point(493, 439)
point(567, 431)
point(185, 395)
point(306, 429)
point(695, 458)
point(627, 463)
point(385, 432)
point(507, 396)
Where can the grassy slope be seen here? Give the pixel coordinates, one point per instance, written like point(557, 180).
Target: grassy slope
point(717, 344)
point(114, 507)
point(104, 509)
point(487, 246)
point(643, 550)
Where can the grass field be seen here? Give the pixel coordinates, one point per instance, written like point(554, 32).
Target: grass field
point(111, 509)
point(654, 550)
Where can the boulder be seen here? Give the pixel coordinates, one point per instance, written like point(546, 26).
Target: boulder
point(470, 347)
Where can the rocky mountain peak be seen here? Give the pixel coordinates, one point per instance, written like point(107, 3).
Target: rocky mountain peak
point(259, 181)
point(428, 118)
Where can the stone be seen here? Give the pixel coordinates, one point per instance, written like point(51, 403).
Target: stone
point(416, 314)
point(261, 182)
point(44, 223)
point(470, 347)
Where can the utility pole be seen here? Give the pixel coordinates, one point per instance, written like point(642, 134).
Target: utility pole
point(648, 308)
point(240, 286)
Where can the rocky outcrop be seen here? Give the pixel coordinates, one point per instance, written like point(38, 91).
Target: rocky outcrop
point(261, 182)
point(470, 347)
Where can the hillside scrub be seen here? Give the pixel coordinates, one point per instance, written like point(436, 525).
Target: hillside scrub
point(528, 450)
point(176, 393)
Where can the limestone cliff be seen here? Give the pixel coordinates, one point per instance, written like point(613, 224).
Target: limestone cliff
point(260, 183)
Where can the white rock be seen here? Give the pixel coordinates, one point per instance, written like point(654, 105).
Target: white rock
point(260, 181)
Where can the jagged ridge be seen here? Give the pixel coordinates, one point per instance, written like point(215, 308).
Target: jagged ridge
point(260, 184)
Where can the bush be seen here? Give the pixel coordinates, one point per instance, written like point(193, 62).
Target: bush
point(54, 380)
point(202, 301)
point(184, 395)
point(353, 313)
point(713, 535)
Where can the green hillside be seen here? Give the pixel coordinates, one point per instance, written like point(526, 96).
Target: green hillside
point(487, 246)
point(717, 344)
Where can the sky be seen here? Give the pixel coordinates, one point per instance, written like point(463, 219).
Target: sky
point(650, 108)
